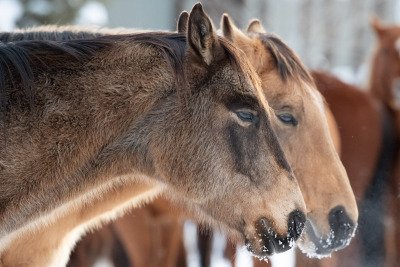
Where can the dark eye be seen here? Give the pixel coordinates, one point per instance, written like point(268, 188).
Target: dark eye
point(287, 119)
point(247, 116)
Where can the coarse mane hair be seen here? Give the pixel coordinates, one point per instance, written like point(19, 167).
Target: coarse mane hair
point(287, 62)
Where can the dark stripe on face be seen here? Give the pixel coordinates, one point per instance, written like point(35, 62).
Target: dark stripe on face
point(275, 147)
point(243, 144)
point(247, 145)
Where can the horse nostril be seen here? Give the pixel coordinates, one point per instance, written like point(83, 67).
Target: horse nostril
point(296, 223)
point(341, 225)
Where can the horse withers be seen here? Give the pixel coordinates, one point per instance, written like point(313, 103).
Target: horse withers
point(82, 116)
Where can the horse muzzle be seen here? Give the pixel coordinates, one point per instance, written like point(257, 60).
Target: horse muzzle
point(342, 230)
point(267, 241)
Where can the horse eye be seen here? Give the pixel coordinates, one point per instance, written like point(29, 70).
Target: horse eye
point(287, 119)
point(247, 116)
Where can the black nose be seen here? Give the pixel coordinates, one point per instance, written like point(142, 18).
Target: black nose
point(272, 242)
point(296, 224)
point(342, 227)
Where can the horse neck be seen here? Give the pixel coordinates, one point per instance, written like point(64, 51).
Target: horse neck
point(98, 128)
point(377, 84)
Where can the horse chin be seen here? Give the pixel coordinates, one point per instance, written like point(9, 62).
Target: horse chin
point(320, 246)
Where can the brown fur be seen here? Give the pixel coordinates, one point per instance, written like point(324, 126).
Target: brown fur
point(83, 124)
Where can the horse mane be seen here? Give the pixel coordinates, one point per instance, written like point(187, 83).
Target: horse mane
point(22, 61)
point(288, 63)
point(22, 58)
point(63, 35)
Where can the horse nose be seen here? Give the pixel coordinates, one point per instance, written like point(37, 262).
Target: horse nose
point(272, 242)
point(296, 224)
point(342, 227)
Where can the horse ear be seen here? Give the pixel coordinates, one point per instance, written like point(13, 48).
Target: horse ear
point(377, 26)
point(255, 26)
point(182, 25)
point(229, 29)
point(201, 36)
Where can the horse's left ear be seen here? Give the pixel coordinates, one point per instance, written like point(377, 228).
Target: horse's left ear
point(377, 26)
point(201, 37)
point(255, 26)
point(182, 25)
point(229, 29)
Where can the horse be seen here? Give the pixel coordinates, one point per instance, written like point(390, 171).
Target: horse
point(331, 222)
point(384, 84)
point(139, 114)
point(266, 58)
point(367, 150)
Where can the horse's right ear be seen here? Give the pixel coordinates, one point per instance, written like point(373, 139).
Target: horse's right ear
point(377, 26)
point(182, 25)
point(201, 37)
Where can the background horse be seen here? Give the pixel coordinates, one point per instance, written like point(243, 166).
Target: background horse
point(385, 85)
point(81, 141)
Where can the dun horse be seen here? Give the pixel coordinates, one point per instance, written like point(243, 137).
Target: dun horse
point(304, 134)
point(366, 152)
point(83, 117)
point(332, 211)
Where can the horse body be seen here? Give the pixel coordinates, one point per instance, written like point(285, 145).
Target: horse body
point(139, 106)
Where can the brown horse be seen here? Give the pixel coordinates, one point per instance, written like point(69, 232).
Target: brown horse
point(141, 112)
point(294, 103)
point(385, 85)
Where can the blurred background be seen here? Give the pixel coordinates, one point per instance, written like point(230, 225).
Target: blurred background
point(330, 34)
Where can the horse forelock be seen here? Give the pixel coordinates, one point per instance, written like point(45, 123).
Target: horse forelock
point(288, 64)
point(239, 60)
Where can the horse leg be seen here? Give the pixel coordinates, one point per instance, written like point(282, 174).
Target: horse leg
point(95, 245)
point(153, 240)
point(173, 241)
point(134, 231)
